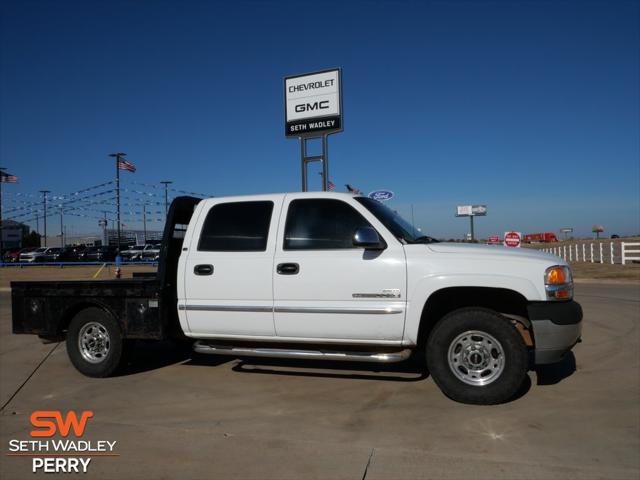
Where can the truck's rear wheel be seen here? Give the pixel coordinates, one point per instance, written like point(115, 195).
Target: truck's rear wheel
point(476, 356)
point(94, 343)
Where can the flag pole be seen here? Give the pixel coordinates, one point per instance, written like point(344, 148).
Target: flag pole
point(118, 195)
point(118, 156)
point(1, 222)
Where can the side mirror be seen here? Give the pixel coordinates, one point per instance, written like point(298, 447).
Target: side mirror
point(368, 238)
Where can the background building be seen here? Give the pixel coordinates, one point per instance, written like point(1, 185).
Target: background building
point(12, 233)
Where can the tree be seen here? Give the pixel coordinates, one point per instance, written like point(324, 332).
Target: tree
point(31, 239)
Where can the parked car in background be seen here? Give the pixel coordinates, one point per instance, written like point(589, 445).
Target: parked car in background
point(71, 254)
point(151, 253)
point(101, 254)
point(137, 253)
point(42, 254)
point(36, 255)
point(51, 254)
point(133, 253)
point(14, 256)
point(10, 253)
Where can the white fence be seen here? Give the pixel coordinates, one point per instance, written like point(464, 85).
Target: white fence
point(600, 252)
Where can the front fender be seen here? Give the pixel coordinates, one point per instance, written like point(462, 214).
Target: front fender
point(424, 287)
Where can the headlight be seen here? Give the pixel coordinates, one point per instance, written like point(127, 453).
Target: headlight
point(558, 282)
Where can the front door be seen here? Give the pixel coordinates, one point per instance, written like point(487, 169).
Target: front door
point(324, 287)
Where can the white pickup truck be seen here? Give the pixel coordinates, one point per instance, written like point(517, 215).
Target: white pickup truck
point(321, 276)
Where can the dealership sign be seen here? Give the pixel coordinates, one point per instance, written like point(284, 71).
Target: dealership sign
point(313, 104)
point(512, 239)
point(381, 195)
point(471, 211)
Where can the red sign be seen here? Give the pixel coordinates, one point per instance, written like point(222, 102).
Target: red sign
point(512, 239)
point(493, 239)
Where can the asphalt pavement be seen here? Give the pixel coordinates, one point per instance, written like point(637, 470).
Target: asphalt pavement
point(173, 416)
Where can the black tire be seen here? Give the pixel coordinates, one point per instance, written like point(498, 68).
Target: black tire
point(507, 361)
point(105, 361)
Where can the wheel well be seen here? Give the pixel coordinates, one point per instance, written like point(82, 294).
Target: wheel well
point(447, 300)
point(72, 311)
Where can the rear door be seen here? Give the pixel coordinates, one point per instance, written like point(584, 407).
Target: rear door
point(324, 287)
point(228, 288)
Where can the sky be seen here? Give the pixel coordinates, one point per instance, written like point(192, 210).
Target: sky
point(529, 107)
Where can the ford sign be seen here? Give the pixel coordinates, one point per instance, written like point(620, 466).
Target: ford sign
point(381, 195)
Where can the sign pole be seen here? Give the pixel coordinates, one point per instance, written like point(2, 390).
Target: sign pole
point(325, 163)
point(303, 160)
point(472, 233)
point(306, 159)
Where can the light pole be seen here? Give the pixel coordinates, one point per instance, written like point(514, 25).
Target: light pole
point(44, 216)
point(166, 184)
point(104, 223)
point(473, 236)
point(1, 223)
point(144, 221)
point(61, 228)
point(118, 156)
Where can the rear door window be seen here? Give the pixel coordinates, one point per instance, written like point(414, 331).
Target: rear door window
point(236, 227)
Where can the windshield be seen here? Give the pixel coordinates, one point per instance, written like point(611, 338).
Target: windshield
point(41, 249)
point(137, 247)
point(402, 229)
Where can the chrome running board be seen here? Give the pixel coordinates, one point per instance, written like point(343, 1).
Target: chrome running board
point(376, 357)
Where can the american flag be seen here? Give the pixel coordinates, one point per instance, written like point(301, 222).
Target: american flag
point(330, 185)
point(124, 165)
point(352, 189)
point(8, 178)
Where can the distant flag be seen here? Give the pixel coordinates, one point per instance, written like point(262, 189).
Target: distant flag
point(125, 165)
point(8, 178)
point(330, 185)
point(352, 189)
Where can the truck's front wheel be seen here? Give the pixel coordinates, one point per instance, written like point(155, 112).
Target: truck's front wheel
point(94, 343)
point(476, 356)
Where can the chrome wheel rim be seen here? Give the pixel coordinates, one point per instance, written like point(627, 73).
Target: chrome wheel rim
point(94, 342)
point(476, 358)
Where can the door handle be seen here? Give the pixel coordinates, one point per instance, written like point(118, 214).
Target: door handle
point(203, 269)
point(288, 268)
